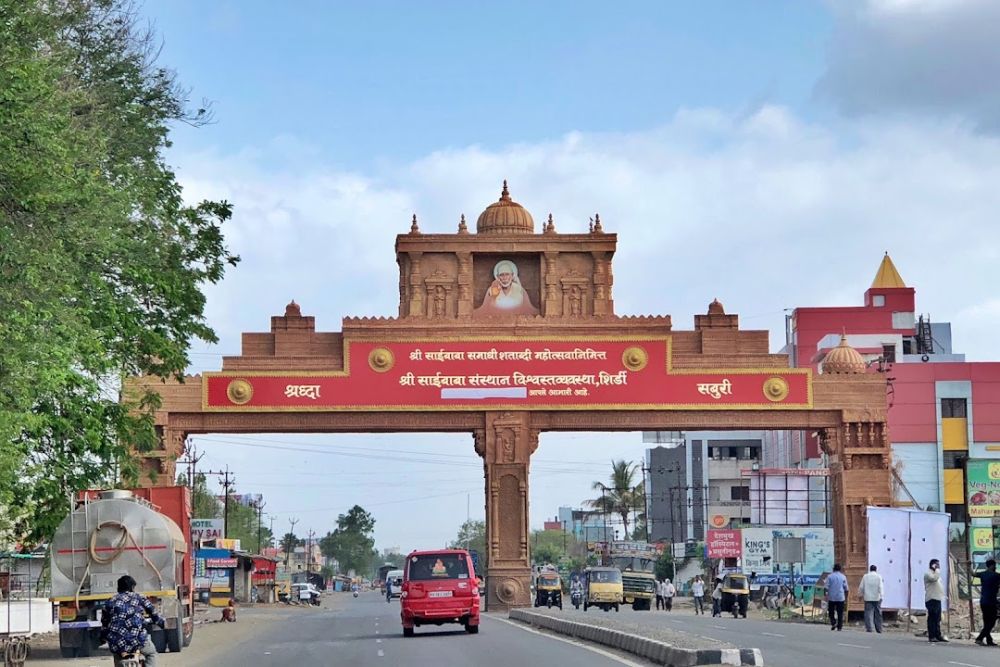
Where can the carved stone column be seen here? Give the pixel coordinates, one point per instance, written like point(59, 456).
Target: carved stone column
point(159, 467)
point(506, 445)
point(860, 457)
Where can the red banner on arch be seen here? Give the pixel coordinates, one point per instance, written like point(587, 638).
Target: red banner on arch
point(524, 374)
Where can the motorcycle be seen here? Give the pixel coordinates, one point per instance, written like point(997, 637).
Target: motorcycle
point(576, 597)
point(355, 594)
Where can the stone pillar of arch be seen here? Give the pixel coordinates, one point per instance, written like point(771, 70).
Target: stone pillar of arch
point(506, 444)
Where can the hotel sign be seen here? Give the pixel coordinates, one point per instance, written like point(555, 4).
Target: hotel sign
point(620, 373)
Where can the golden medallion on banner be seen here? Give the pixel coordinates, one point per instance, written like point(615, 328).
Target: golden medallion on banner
point(635, 358)
point(776, 389)
point(380, 359)
point(239, 391)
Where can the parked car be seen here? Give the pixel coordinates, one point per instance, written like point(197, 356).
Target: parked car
point(439, 587)
point(305, 593)
point(393, 584)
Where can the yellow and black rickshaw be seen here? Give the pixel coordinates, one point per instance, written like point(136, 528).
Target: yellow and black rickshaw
point(602, 588)
point(735, 594)
point(548, 590)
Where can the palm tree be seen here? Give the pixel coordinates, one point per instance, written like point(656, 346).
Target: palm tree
point(622, 496)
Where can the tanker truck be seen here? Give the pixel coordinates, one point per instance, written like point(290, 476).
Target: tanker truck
point(112, 533)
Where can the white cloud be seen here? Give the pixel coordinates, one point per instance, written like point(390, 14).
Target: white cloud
point(765, 212)
point(916, 56)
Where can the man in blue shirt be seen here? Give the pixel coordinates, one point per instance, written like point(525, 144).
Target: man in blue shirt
point(125, 620)
point(989, 589)
point(836, 596)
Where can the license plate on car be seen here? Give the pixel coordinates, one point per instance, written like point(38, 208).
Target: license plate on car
point(439, 594)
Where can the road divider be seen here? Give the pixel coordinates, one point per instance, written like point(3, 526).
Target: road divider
point(653, 650)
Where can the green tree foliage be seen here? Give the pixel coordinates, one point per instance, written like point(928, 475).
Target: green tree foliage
point(351, 543)
point(665, 567)
point(623, 495)
point(555, 547)
point(472, 536)
point(102, 264)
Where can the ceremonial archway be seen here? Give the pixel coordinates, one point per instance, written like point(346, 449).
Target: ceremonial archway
point(506, 333)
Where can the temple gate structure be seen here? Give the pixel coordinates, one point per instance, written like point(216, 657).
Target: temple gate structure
point(506, 333)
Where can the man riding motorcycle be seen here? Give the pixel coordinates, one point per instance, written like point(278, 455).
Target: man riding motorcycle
point(124, 622)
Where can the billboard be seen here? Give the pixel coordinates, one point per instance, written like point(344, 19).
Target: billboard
point(206, 529)
point(788, 496)
point(537, 373)
point(724, 544)
point(758, 548)
point(983, 481)
point(901, 543)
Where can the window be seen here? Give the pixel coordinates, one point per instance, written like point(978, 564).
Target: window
point(957, 513)
point(952, 460)
point(438, 566)
point(907, 346)
point(889, 353)
point(878, 300)
point(953, 407)
point(739, 493)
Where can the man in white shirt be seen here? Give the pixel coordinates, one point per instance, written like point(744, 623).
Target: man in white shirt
point(870, 591)
point(668, 594)
point(933, 596)
point(698, 593)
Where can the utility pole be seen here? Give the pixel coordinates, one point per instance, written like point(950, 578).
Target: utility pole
point(289, 547)
point(228, 481)
point(271, 529)
point(309, 550)
point(260, 522)
point(191, 462)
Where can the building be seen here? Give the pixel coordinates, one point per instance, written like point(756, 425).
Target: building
point(586, 525)
point(699, 482)
point(942, 408)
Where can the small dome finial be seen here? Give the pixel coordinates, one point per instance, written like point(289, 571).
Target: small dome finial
point(716, 308)
point(598, 229)
point(414, 228)
point(462, 227)
point(505, 193)
point(293, 310)
point(591, 225)
point(550, 226)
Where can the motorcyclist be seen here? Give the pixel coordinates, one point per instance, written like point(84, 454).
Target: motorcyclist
point(124, 621)
point(576, 591)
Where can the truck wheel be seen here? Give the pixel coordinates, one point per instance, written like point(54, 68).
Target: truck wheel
point(407, 632)
point(188, 636)
point(175, 637)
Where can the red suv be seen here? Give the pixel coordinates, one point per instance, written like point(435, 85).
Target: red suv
point(439, 587)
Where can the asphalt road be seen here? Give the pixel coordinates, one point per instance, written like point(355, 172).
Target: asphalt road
point(786, 644)
point(366, 631)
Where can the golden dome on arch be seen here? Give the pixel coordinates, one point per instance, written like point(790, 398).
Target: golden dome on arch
point(505, 216)
point(843, 360)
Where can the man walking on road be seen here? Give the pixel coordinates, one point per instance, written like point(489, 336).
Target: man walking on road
point(659, 595)
point(934, 595)
point(698, 593)
point(836, 597)
point(990, 587)
point(870, 591)
point(668, 594)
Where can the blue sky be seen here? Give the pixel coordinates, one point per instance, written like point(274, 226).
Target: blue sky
point(395, 80)
point(762, 153)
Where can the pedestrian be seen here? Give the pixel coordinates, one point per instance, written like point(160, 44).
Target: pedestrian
point(659, 594)
point(668, 595)
point(989, 589)
point(870, 591)
point(933, 596)
point(698, 593)
point(717, 598)
point(836, 597)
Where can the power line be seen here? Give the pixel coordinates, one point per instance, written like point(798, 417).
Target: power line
point(227, 483)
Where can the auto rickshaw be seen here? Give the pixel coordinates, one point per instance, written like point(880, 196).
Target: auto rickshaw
point(735, 594)
point(548, 590)
point(602, 588)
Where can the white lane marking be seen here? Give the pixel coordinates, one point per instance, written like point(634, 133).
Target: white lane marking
point(592, 649)
point(378, 641)
point(267, 653)
point(381, 654)
point(771, 634)
point(853, 645)
point(964, 664)
point(721, 627)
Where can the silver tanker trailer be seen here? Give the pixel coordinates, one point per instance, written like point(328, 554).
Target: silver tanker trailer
point(107, 535)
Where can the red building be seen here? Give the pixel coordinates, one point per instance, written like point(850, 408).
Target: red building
point(942, 408)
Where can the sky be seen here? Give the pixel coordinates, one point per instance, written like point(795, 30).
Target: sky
point(766, 154)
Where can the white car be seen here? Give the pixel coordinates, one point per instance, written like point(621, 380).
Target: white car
point(305, 592)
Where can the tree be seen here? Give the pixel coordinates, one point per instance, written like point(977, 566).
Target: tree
point(102, 264)
point(351, 543)
point(472, 536)
point(664, 567)
point(622, 496)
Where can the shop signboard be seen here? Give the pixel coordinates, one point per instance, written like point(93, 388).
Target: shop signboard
point(983, 480)
point(724, 544)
